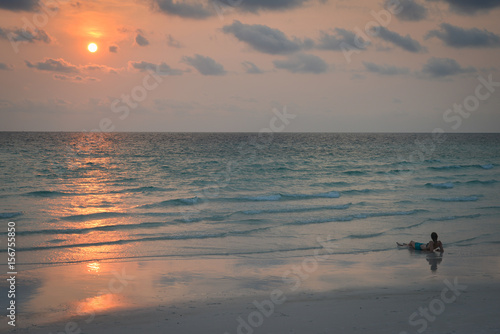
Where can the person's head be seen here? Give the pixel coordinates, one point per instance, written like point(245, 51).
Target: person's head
point(434, 236)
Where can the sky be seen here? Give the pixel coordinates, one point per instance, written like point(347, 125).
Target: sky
point(250, 65)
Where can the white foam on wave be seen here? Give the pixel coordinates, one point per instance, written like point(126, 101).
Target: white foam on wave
point(278, 197)
point(356, 216)
point(299, 209)
point(455, 217)
point(330, 194)
point(274, 197)
point(446, 185)
point(173, 202)
point(457, 199)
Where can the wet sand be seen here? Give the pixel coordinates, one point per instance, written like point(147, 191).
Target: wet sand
point(387, 292)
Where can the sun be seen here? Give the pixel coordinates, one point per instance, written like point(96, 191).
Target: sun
point(92, 47)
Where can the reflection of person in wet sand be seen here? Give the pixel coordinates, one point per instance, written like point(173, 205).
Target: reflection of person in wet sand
point(434, 259)
point(433, 245)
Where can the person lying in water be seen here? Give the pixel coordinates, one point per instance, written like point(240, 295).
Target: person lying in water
point(433, 245)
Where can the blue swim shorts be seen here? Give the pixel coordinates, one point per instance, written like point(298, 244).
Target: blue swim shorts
point(418, 244)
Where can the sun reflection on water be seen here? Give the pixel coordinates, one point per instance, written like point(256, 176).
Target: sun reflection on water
point(94, 202)
point(99, 303)
point(93, 267)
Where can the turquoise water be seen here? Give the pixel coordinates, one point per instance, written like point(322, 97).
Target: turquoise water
point(78, 197)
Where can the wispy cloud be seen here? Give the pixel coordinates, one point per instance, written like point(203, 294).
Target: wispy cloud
point(183, 9)
point(410, 10)
point(302, 63)
point(161, 68)
point(62, 66)
point(405, 42)
point(444, 67)
point(140, 39)
point(265, 39)
point(5, 67)
point(458, 37)
point(54, 65)
point(385, 69)
point(205, 65)
point(251, 68)
point(19, 5)
point(22, 35)
point(257, 5)
point(200, 10)
point(338, 40)
point(171, 41)
point(99, 68)
point(472, 7)
point(75, 79)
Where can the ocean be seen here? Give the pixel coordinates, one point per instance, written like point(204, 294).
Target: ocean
point(87, 197)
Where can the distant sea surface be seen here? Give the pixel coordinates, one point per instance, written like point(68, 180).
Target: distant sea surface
point(79, 197)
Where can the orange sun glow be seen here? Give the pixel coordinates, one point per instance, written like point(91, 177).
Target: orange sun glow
point(92, 47)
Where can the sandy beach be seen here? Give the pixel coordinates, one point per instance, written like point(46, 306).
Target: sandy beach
point(393, 292)
point(381, 310)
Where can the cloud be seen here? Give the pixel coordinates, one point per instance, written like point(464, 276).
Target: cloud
point(205, 65)
point(186, 9)
point(141, 40)
point(62, 66)
point(75, 79)
point(443, 67)
point(171, 41)
point(471, 7)
point(113, 48)
point(341, 40)
point(161, 69)
point(257, 5)
point(19, 5)
point(251, 68)
point(461, 38)
point(385, 69)
point(194, 9)
point(22, 35)
point(410, 10)
point(54, 65)
point(100, 68)
point(262, 38)
point(302, 63)
point(405, 42)
point(5, 67)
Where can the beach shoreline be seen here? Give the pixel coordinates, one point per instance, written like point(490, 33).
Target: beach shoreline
point(371, 292)
point(433, 308)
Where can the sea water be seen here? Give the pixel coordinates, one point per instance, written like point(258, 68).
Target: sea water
point(86, 197)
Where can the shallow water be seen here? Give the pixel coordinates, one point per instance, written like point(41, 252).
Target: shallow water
point(91, 197)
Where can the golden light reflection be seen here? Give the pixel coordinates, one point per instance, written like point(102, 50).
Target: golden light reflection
point(93, 267)
point(96, 204)
point(99, 303)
